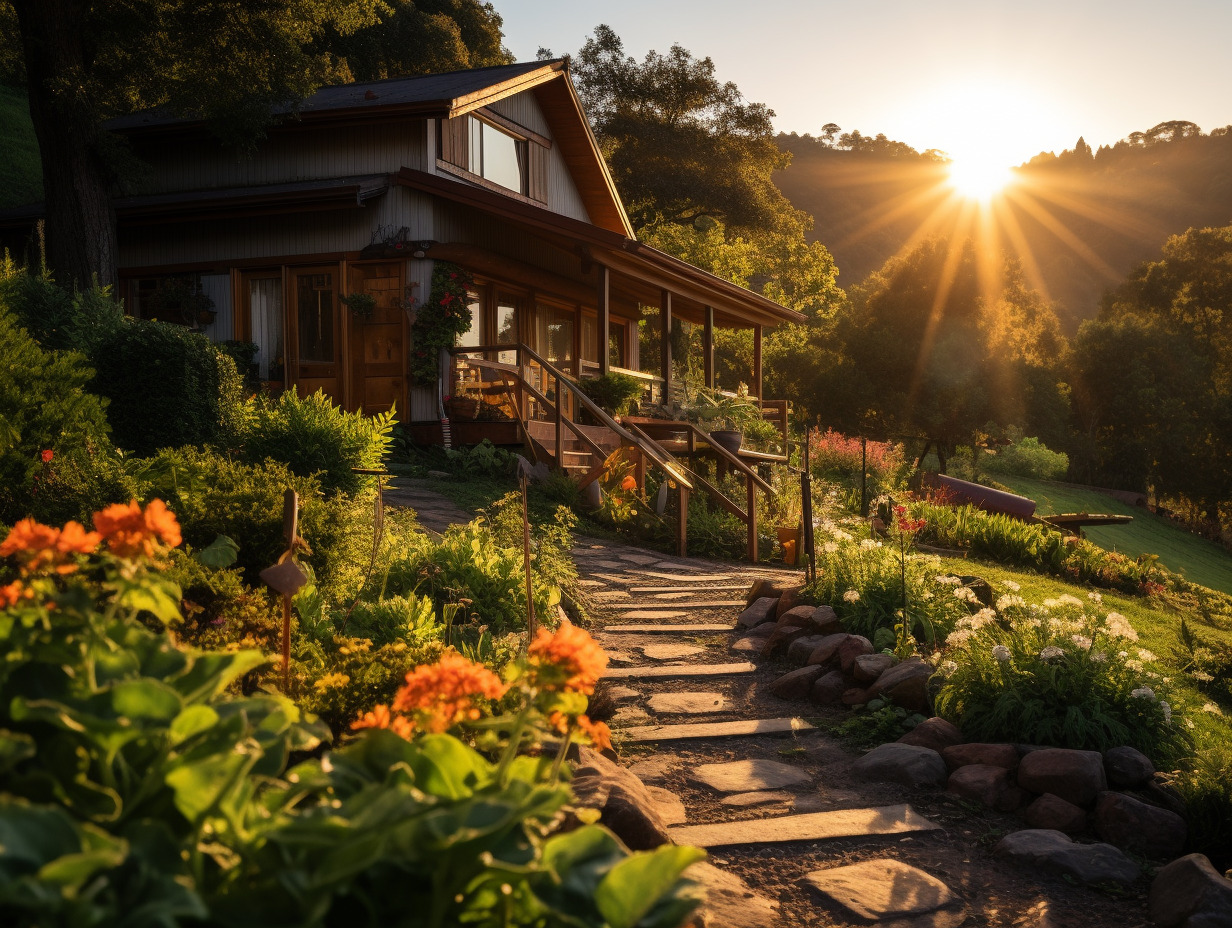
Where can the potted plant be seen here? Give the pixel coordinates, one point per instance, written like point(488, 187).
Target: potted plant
point(362, 305)
point(613, 392)
point(788, 513)
point(724, 417)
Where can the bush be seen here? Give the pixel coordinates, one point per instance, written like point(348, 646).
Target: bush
point(44, 407)
point(483, 461)
point(1027, 457)
point(315, 438)
point(1202, 782)
point(58, 319)
point(1056, 674)
point(614, 392)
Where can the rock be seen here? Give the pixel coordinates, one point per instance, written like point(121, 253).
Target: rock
point(799, 650)
point(1127, 768)
point(798, 616)
point(986, 784)
point(981, 588)
point(827, 649)
point(788, 601)
point(762, 588)
point(730, 903)
point(797, 684)
point(1165, 796)
point(688, 703)
point(622, 695)
point(625, 805)
point(761, 610)
point(1190, 892)
point(829, 688)
point(902, 763)
point(748, 776)
point(868, 667)
point(1052, 850)
point(855, 696)
point(782, 638)
point(935, 733)
point(1133, 825)
point(1053, 813)
point(759, 798)
point(668, 805)
point(878, 890)
point(761, 632)
point(747, 644)
point(996, 755)
point(817, 619)
point(906, 684)
point(851, 648)
point(1075, 776)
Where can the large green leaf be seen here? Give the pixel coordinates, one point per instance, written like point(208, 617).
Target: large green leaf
point(154, 594)
point(14, 748)
point(200, 785)
point(221, 553)
point(208, 674)
point(638, 883)
point(192, 721)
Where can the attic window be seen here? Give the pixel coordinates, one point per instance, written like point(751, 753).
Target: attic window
point(497, 156)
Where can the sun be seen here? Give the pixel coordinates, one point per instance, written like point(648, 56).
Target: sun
point(979, 178)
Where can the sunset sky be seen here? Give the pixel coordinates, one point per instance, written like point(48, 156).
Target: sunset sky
point(1004, 80)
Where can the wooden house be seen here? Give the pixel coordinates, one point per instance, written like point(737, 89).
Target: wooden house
point(362, 191)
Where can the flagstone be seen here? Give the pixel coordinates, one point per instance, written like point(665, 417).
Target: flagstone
point(810, 826)
point(683, 589)
point(655, 767)
point(737, 728)
point(622, 695)
point(685, 578)
point(700, 628)
point(758, 798)
point(651, 614)
point(670, 652)
point(751, 775)
point(669, 806)
point(681, 670)
point(876, 890)
point(688, 703)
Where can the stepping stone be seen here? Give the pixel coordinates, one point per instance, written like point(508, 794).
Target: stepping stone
point(668, 805)
point(651, 614)
point(623, 695)
point(702, 628)
point(654, 768)
point(709, 604)
point(670, 652)
point(630, 715)
point(675, 595)
point(811, 826)
point(748, 644)
point(611, 594)
point(612, 565)
point(680, 670)
point(688, 703)
point(620, 657)
point(591, 583)
point(682, 589)
point(716, 729)
point(747, 776)
point(759, 798)
point(641, 560)
point(685, 578)
point(876, 890)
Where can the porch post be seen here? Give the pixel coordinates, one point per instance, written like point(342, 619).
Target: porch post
point(708, 348)
point(665, 342)
point(757, 362)
point(605, 319)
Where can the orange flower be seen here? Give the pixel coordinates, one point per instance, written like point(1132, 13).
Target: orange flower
point(131, 532)
point(47, 454)
point(598, 732)
point(12, 594)
point(569, 659)
point(629, 483)
point(74, 539)
point(381, 717)
point(442, 694)
point(39, 546)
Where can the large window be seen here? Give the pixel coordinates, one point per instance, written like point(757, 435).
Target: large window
point(497, 156)
point(315, 299)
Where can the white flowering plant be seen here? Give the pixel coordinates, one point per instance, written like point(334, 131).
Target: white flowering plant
point(1064, 673)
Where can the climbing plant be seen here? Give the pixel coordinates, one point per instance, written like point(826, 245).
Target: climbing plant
point(441, 319)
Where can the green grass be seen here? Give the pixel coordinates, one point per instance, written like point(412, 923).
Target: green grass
point(21, 174)
point(1197, 559)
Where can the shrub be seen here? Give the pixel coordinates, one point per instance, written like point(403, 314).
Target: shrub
point(44, 407)
point(167, 387)
point(836, 457)
point(482, 461)
point(315, 438)
point(1027, 457)
point(613, 392)
point(1202, 782)
point(79, 482)
point(1057, 674)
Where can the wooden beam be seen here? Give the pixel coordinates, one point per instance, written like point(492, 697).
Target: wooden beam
point(757, 362)
point(665, 340)
point(682, 521)
point(708, 347)
point(603, 304)
point(751, 489)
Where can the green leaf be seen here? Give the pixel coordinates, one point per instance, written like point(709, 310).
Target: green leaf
point(445, 767)
point(200, 785)
point(192, 721)
point(208, 674)
point(222, 552)
point(143, 700)
point(153, 594)
point(14, 748)
point(635, 885)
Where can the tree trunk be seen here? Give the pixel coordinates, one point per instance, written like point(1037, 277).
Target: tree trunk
point(81, 223)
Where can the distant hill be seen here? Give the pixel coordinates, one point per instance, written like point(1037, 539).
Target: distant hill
point(21, 177)
point(1085, 218)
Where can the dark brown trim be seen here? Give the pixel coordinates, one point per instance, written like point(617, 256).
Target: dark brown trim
point(225, 264)
point(504, 122)
point(462, 173)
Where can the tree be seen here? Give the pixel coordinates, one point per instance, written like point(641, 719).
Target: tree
point(680, 144)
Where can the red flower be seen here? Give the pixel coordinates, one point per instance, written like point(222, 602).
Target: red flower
point(47, 455)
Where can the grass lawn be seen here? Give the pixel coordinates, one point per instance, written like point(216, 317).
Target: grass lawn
point(21, 175)
point(1199, 560)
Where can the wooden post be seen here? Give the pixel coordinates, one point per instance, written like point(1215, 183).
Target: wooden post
point(290, 530)
point(605, 319)
point(751, 502)
point(863, 477)
point(757, 362)
point(665, 339)
point(682, 521)
point(531, 624)
point(806, 510)
point(560, 426)
point(708, 348)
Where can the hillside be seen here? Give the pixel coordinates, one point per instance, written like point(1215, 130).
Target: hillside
point(1085, 222)
point(21, 178)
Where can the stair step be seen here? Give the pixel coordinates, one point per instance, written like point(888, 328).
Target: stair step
point(810, 826)
point(680, 670)
point(687, 730)
point(699, 628)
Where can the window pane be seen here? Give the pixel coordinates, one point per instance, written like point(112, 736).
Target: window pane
point(474, 131)
point(502, 160)
point(265, 308)
point(590, 345)
point(316, 317)
point(475, 336)
point(616, 355)
point(560, 335)
point(506, 329)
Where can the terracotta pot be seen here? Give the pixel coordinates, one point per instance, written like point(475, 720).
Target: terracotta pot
point(789, 539)
point(460, 407)
point(728, 439)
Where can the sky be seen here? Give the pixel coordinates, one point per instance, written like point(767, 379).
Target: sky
point(975, 78)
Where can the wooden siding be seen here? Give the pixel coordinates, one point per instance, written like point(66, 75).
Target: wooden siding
point(291, 156)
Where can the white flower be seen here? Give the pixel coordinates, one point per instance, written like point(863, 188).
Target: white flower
point(1122, 654)
point(1146, 656)
point(1011, 585)
point(927, 594)
point(1010, 601)
point(1001, 653)
point(948, 667)
point(1099, 657)
point(1118, 627)
point(851, 596)
point(966, 594)
point(830, 547)
point(1201, 676)
point(1189, 723)
point(1167, 710)
point(948, 581)
point(869, 545)
point(839, 535)
point(1143, 692)
point(1095, 597)
point(1066, 600)
point(1212, 709)
point(958, 637)
point(1083, 643)
point(1050, 652)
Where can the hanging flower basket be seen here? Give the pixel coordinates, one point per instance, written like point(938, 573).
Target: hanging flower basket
point(362, 305)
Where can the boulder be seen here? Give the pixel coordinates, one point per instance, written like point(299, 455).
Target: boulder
point(902, 763)
point(762, 588)
point(829, 688)
point(1127, 768)
point(935, 733)
point(789, 600)
point(800, 649)
point(854, 696)
point(1190, 892)
point(761, 632)
point(625, 805)
point(817, 619)
point(781, 638)
point(827, 650)
point(730, 902)
point(797, 684)
point(987, 785)
point(1053, 813)
point(851, 648)
point(906, 684)
point(1052, 850)
point(868, 667)
point(995, 755)
point(825, 620)
point(1075, 776)
point(761, 610)
point(1134, 825)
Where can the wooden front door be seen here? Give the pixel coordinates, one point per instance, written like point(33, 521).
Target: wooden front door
point(315, 330)
point(378, 344)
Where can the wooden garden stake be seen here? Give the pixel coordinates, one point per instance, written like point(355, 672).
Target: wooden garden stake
point(531, 624)
point(286, 577)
